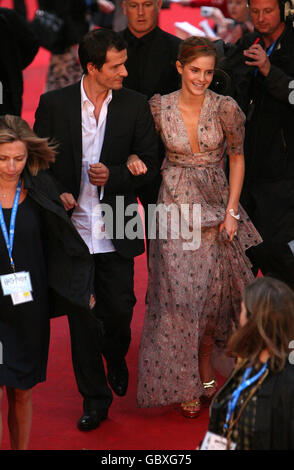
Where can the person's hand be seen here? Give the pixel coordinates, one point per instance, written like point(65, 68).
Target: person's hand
point(258, 59)
point(222, 32)
point(136, 166)
point(68, 201)
point(164, 164)
point(92, 302)
point(98, 174)
point(230, 225)
point(105, 6)
point(218, 17)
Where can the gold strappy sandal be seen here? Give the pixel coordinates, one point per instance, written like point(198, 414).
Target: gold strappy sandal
point(210, 389)
point(191, 409)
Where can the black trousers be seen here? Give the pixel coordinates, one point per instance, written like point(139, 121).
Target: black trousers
point(149, 195)
point(105, 331)
point(20, 7)
point(270, 205)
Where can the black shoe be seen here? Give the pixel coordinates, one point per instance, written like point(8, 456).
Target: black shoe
point(118, 377)
point(91, 420)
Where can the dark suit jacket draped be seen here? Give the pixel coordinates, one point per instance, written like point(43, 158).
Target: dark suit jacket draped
point(129, 129)
point(73, 14)
point(70, 268)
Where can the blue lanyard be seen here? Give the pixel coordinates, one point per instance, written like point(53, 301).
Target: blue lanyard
point(236, 394)
point(271, 48)
point(268, 53)
point(9, 240)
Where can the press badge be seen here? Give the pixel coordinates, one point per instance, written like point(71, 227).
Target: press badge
point(18, 285)
point(215, 442)
point(21, 298)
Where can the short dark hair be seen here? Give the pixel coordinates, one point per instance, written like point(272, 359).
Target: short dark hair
point(95, 44)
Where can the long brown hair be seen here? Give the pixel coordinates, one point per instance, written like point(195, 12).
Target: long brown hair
point(40, 152)
point(269, 305)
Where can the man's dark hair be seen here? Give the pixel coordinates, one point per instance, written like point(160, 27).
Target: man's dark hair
point(95, 44)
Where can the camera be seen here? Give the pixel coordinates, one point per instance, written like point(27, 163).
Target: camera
point(206, 11)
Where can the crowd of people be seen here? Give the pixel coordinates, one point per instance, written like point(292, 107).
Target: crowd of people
point(144, 119)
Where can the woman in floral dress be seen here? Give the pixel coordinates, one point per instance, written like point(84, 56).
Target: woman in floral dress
point(195, 286)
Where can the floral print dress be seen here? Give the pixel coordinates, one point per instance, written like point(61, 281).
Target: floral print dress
point(193, 289)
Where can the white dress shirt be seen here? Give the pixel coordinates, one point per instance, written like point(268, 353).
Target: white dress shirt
point(86, 216)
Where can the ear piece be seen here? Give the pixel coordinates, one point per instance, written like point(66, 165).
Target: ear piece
point(282, 9)
point(286, 10)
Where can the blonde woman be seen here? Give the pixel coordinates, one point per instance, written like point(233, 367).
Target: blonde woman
point(37, 243)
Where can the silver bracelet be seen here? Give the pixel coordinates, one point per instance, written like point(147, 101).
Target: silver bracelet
point(232, 213)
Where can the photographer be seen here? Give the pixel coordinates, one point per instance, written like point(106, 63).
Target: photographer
point(261, 67)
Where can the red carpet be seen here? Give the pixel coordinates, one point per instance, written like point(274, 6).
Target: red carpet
point(57, 403)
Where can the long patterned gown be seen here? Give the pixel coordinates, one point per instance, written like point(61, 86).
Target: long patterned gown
point(193, 291)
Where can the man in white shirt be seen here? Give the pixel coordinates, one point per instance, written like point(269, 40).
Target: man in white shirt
point(98, 125)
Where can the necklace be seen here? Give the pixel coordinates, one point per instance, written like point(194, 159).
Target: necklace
point(7, 193)
point(4, 195)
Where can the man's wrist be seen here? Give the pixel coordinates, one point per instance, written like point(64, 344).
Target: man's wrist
point(265, 69)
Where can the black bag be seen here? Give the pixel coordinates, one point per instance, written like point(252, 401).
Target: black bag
point(48, 29)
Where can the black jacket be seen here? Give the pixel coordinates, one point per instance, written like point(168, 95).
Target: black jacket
point(70, 266)
point(73, 13)
point(18, 48)
point(275, 412)
point(129, 129)
point(274, 423)
point(151, 62)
